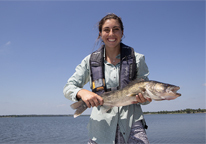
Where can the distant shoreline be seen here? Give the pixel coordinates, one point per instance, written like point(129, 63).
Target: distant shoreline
point(185, 111)
point(37, 115)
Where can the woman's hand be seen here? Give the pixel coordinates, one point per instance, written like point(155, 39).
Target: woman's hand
point(141, 99)
point(91, 99)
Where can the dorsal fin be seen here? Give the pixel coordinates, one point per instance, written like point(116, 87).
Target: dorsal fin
point(135, 81)
point(140, 80)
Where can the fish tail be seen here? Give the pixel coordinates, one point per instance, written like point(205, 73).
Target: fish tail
point(80, 107)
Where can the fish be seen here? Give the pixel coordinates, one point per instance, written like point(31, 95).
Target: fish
point(155, 90)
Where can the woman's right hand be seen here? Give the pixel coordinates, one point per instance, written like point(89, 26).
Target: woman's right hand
point(91, 99)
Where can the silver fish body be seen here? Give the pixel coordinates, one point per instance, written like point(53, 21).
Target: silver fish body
point(150, 89)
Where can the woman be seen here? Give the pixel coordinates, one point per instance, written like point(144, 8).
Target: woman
point(111, 67)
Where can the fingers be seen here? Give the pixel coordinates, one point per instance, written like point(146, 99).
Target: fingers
point(100, 100)
point(87, 103)
point(141, 99)
point(97, 101)
point(93, 100)
point(135, 102)
point(149, 99)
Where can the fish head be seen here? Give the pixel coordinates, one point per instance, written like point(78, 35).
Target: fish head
point(163, 91)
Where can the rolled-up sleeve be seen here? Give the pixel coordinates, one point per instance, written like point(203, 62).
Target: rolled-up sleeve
point(142, 69)
point(76, 82)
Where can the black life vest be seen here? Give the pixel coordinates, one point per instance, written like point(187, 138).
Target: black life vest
point(128, 68)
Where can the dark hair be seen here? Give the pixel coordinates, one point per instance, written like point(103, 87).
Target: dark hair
point(101, 23)
point(110, 16)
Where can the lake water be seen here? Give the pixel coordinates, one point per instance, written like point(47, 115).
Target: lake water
point(163, 129)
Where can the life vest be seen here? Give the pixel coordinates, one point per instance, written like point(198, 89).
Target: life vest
point(128, 68)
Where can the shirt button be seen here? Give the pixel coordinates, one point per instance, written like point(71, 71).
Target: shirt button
point(123, 133)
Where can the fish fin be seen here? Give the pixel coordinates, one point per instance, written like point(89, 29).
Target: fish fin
point(106, 94)
point(105, 108)
point(140, 80)
point(135, 81)
point(134, 94)
point(80, 107)
point(142, 89)
point(158, 99)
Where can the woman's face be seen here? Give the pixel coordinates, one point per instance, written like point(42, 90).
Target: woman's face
point(111, 33)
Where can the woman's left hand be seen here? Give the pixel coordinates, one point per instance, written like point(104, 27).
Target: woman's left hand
point(141, 99)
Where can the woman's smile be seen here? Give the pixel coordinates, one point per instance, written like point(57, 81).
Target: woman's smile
point(111, 40)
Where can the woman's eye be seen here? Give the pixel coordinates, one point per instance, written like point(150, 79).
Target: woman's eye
point(116, 29)
point(107, 30)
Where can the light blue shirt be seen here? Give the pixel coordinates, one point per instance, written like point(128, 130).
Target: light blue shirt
point(102, 126)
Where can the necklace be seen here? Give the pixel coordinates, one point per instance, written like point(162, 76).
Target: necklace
point(112, 61)
point(115, 61)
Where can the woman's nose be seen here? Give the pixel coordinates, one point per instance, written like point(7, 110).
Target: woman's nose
point(111, 32)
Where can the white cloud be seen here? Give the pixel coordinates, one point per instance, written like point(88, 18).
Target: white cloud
point(8, 43)
point(5, 46)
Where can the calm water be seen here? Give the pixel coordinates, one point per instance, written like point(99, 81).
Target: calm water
point(166, 128)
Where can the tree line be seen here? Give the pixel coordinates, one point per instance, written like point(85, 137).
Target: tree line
point(188, 111)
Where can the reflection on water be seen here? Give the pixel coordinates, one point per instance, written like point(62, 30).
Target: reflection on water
point(165, 128)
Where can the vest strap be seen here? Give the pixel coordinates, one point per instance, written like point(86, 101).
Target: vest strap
point(128, 69)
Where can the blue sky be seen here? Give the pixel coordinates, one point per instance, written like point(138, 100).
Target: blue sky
point(41, 43)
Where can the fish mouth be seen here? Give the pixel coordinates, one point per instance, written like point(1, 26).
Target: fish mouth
point(174, 91)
